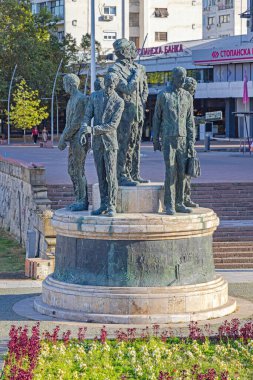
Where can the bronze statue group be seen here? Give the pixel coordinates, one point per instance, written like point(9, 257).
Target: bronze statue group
point(117, 108)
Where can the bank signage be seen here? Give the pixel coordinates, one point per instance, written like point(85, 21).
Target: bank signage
point(166, 49)
point(222, 55)
point(213, 116)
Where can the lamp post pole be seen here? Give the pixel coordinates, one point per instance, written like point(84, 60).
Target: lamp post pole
point(52, 103)
point(9, 103)
point(93, 47)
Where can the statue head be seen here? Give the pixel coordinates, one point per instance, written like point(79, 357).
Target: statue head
point(122, 48)
point(111, 81)
point(190, 85)
point(71, 83)
point(133, 50)
point(178, 77)
point(99, 84)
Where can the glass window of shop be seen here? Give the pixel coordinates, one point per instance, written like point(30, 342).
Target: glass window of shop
point(160, 78)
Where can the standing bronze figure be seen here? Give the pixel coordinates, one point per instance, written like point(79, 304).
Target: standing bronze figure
point(173, 122)
point(77, 154)
point(190, 85)
point(106, 108)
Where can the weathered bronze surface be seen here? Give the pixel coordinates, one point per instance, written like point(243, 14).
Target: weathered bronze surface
point(77, 154)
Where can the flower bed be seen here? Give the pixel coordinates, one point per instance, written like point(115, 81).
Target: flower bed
point(155, 355)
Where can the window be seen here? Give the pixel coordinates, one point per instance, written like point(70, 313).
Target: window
point(160, 36)
point(210, 20)
point(57, 8)
point(109, 36)
point(110, 11)
point(136, 40)
point(60, 35)
point(134, 19)
point(161, 12)
point(224, 19)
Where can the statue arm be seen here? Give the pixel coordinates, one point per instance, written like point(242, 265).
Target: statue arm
point(114, 122)
point(72, 129)
point(128, 87)
point(190, 127)
point(89, 113)
point(145, 87)
point(157, 120)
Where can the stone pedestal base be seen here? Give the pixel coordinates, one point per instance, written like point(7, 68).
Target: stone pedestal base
point(146, 197)
point(135, 305)
point(134, 268)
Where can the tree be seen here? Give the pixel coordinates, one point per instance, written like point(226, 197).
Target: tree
point(27, 112)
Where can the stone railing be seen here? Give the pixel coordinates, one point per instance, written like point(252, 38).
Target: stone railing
point(25, 209)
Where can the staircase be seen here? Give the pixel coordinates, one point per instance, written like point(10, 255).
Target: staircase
point(233, 203)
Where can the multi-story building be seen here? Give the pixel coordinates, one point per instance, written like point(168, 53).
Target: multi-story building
point(221, 18)
point(161, 20)
point(164, 21)
point(74, 17)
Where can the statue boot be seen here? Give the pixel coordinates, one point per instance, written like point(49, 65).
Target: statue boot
point(101, 210)
point(78, 206)
point(190, 203)
point(181, 208)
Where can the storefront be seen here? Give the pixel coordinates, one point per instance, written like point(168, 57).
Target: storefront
point(219, 66)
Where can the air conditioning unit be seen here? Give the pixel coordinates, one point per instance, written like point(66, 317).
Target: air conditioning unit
point(107, 17)
point(208, 27)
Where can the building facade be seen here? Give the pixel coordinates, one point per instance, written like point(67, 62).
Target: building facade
point(220, 67)
point(221, 18)
point(164, 21)
point(134, 19)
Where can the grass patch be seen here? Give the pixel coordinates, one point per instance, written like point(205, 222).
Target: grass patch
point(12, 254)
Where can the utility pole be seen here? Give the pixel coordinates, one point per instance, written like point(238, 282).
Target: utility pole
point(123, 12)
point(9, 104)
point(52, 103)
point(93, 47)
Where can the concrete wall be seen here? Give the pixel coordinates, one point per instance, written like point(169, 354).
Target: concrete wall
point(25, 207)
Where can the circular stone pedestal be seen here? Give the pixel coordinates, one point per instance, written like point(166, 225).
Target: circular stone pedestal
point(134, 268)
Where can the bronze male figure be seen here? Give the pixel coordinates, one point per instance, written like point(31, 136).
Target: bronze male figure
point(106, 108)
point(126, 89)
point(140, 98)
point(77, 154)
point(190, 85)
point(173, 122)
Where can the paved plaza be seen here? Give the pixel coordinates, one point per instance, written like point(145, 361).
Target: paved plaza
point(217, 166)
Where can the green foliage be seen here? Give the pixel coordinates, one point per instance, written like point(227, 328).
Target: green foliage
point(12, 255)
point(144, 360)
point(27, 111)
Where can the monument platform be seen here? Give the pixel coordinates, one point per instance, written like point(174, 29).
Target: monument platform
point(134, 268)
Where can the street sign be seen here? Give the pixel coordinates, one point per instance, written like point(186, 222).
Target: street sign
point(213, 116)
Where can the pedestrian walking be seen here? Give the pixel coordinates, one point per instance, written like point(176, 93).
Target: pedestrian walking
point(35, 134)
point(44, 135)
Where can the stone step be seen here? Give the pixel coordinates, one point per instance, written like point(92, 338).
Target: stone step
point(235, 244)
point(229, 249)
point(235, 260)
point(234, 266)
point(230, 238)
point(221, 255)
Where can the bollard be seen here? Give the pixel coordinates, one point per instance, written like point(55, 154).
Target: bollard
point(207, 143)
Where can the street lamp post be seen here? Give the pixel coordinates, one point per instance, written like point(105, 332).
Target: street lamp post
point(93, 47)
point(9, 104)
point(52, 103)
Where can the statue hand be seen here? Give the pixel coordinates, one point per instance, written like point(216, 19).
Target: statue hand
point(83, 139)
point(62, 144)
point(157, 145)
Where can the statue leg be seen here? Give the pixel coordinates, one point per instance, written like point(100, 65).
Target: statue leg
point(123, 142)
point(169, 153)
point(181, 159)
point(136, 159)
point(187, 194)
point(99, 158)
point(131, 149)
point(111, 175)
point(76, 170)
